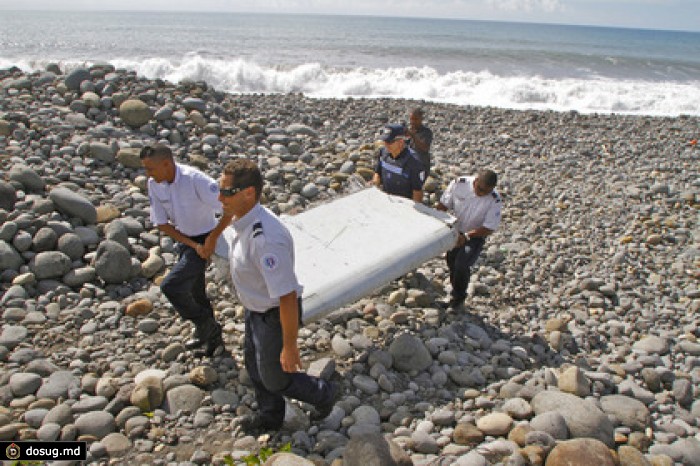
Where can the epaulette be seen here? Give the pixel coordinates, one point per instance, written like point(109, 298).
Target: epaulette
point(257, 229)
point(496, 196)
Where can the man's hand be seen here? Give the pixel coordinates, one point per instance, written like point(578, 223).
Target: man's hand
point(461, 240)
point(290, 359)
point(207, 249)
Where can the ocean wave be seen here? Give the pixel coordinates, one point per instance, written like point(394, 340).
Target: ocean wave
point(483, 88)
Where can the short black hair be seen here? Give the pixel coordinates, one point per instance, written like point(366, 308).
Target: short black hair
point(488, 177)
point(157, 152)
point(245, 174)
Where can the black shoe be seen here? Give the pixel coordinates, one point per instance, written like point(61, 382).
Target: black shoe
point(324, 410)
point(207, 334)
point(255, 424)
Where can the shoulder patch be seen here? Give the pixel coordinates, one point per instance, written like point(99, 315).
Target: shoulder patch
point(257, 229)
point(214, 187)
point(269, 261)
point(496, 196)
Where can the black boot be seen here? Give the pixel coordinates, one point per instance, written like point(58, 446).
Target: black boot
point(207, 334)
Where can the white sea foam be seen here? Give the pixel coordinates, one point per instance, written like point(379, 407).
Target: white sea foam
point(594, 95)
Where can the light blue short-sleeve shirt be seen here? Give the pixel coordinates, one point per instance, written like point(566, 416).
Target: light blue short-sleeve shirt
point(472, 211)
point(261, 253)
point(190, 203)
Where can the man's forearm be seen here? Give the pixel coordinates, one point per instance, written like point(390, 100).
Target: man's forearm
point(289, 319)
point(175, 234)
point(481, 232)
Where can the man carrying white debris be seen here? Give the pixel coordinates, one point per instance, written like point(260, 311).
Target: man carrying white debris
point(477, 207)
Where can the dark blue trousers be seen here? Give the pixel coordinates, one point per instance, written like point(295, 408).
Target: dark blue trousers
point(263, 346)
point(185, 286)
point(460, 261)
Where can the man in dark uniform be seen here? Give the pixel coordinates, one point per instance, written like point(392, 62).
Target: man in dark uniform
point(420, 137)
point(184, 205)
point(261, 254)
point(398, 170)
point(477, 207)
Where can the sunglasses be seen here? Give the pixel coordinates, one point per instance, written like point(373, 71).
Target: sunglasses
point(228, 192)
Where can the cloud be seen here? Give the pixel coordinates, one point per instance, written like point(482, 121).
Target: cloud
point(526, 5)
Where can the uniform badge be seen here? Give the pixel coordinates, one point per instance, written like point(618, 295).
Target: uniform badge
point(269, 261)
point(214, 188)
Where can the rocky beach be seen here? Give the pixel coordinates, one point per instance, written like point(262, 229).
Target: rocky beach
point(578, 343)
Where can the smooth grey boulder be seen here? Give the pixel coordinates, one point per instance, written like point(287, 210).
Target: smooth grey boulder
point(50, 264)
point(58, 385)
point(28, 178)
point(102, 152)
point(366, 449)
point(8, 196)
point(10, 259)
point(112, 262)
point(135, 113)
point(75, 77)
point(12, 335)
point(582, 417)
point(410, 354)
point(97, 423)
point(71, 245)
point(630, 412)
point(184, 398)
point(73, 204)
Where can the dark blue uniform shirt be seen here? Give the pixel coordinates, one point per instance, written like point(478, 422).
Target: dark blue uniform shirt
point(402, 175)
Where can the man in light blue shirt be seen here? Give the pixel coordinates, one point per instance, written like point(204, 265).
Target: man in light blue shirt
point(261, 252)
point(184, 205)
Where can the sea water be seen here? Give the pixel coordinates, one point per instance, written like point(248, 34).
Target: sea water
point(509, 65)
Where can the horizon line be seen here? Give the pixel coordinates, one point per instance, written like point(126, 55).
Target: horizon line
point(353, 15)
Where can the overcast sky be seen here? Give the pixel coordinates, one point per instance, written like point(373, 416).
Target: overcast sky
point(654, 14)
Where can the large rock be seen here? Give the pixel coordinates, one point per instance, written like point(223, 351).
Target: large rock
point(8, 196)
point(28, 178)
point(116, 444)
point(184, 398)
point(410, 354)
point(5, 128)
point(102, 152)
point(75, 77)
point(24, 383)
point(97, 423)
point(113, 262)
point(13, 335)
point(368, 449)
point(130, 157)
point(193, 103)
point(10, 259)
point(74, 205)
point(135, 113)
point(287, 459)
point(652, 344)
point(630, 412)
point(582, 417)
point(50, 264)
point(685, 451)
point(584, 451)
point(148, 394)
point(71, 245)
point(58, 385)
point(573, 381)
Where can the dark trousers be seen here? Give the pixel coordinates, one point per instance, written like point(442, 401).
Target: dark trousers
point(460, 261)
point(263, 346)
point(185, 287)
